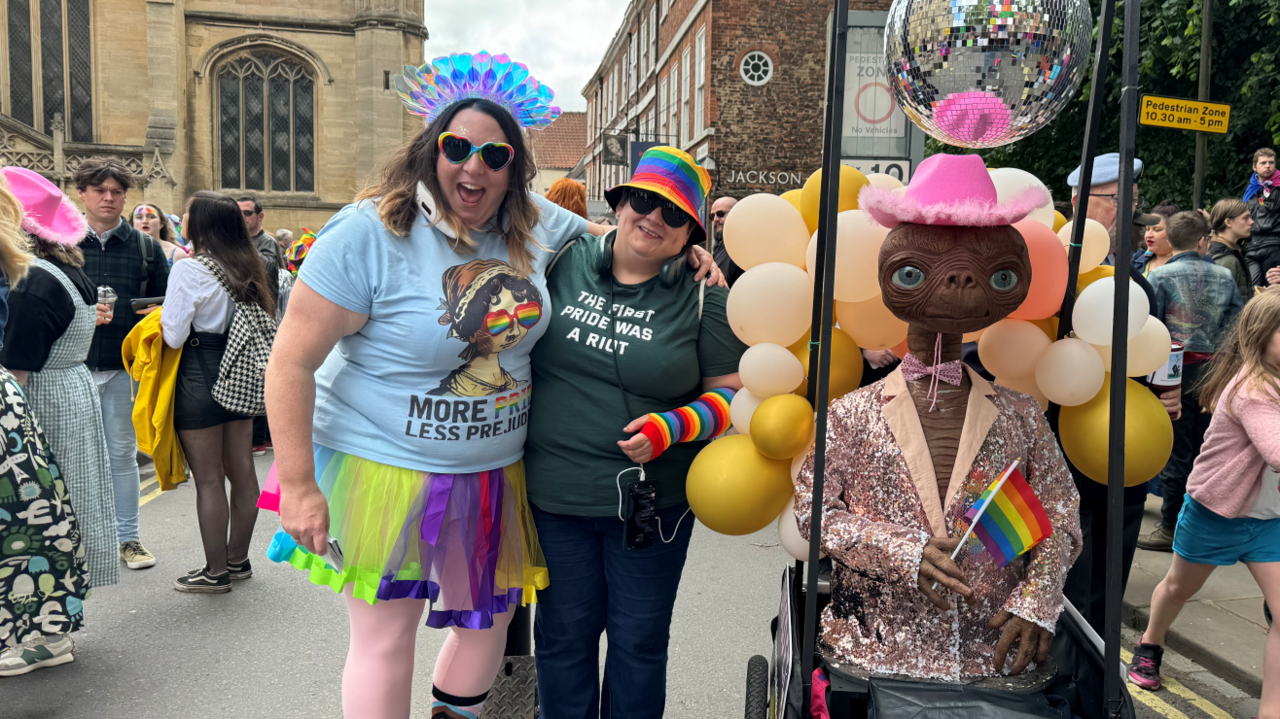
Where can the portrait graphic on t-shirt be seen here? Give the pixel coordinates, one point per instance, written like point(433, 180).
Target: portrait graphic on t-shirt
point(491, 307)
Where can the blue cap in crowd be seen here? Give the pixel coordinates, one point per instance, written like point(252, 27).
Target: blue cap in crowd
point(1106, 168)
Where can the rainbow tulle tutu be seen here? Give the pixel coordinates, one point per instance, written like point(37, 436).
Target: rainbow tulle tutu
point(465, 542)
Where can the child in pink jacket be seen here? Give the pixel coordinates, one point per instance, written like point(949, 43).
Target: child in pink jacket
point(1232, 511)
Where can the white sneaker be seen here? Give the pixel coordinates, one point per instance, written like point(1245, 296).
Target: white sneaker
point(36, 654)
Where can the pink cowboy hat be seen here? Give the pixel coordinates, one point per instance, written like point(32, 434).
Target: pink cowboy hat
point(950, 190)
point(49, 215)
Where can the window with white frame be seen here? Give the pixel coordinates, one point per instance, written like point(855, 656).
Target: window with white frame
point(686, 127)
point(700, 84)
point(675, 104)
point(662, 111)
point(644, 48)
point(632, 55)
point(617, 92)
point(666, 6)
point(653, 35)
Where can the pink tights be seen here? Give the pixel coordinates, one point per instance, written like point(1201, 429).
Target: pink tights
point(378, 680)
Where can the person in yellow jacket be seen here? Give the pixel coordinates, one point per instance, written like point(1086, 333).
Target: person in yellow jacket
point(154, 366)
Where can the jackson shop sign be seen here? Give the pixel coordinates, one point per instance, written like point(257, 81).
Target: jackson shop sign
point(763, 177)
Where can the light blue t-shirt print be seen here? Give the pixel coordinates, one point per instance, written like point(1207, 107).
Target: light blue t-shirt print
point(438, 379)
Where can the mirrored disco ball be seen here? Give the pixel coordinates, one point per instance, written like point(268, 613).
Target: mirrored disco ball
point(982, 74)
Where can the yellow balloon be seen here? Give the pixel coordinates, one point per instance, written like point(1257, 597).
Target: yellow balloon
point(851, 183)
point(1148, 434)
point(735, 490)
point(793, 196)
point(1049, 326)
point(1058, 219)
point(846, 366)
point(782, 425)
point(973, 336)
point(870, 324)
point(1087, 278)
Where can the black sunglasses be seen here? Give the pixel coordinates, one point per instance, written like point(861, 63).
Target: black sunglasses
point(644, 202)
point(248, 213)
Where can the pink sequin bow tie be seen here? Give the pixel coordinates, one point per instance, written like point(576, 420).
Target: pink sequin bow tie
point(949, 372)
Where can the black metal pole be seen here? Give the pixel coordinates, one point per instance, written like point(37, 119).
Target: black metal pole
point(1092, 125)
point(1206, 68)
point(520, 634)
point(823, 296)
point(1120, 354)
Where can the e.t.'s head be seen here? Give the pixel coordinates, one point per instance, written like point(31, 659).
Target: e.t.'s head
point(953, 279)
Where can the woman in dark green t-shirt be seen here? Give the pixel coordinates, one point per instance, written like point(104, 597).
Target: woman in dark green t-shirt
point(631, 333)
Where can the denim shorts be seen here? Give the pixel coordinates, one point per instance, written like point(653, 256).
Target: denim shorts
point(1203, 537)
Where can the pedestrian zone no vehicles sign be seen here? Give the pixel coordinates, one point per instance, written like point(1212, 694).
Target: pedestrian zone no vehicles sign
point(1180, 114)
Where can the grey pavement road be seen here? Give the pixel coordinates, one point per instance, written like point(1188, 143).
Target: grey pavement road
point(274, 647)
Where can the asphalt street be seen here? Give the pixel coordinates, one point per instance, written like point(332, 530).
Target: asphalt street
point(275, 646)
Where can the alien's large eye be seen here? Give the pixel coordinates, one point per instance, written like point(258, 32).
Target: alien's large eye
point(908, 277)
point(1004, 280)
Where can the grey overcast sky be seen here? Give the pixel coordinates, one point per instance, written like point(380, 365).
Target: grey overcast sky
point(562, 41)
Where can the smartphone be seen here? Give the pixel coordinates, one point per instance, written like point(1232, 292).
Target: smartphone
point(142, 303)
point(333, 557)
point(642, 500)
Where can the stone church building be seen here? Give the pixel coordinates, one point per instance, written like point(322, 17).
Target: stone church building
point(289, 99)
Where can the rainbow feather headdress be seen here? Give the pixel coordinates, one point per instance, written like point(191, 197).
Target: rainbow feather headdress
point(429, 90)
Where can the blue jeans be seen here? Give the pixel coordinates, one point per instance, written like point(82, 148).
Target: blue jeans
point(597, 586)
point(122, 447)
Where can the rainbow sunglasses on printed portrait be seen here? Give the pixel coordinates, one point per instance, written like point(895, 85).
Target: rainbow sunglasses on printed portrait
point(457, 149)
point(527, 315)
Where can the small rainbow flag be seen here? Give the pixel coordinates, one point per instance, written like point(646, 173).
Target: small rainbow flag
point(1008, 518)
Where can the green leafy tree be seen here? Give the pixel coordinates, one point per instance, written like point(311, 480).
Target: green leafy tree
point(1246, 43)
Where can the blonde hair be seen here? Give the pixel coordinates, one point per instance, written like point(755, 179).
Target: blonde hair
point(1245, 349)
point(397, 193)
point(14, 256)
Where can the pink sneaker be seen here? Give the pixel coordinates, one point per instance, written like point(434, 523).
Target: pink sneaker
point(1145, 670)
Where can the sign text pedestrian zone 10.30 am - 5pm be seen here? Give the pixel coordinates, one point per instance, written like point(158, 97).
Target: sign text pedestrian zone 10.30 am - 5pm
point(1180, 114)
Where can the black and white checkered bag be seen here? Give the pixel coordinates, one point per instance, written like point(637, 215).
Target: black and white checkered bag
point(241, 377)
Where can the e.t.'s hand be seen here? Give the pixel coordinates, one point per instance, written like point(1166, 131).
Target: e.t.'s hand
point(1033, 642)
point(638, 449)
point(936, 566)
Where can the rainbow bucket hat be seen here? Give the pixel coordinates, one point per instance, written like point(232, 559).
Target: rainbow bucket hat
point(673, 174)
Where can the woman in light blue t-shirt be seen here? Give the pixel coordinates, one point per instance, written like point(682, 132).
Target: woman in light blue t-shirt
point(399, 390)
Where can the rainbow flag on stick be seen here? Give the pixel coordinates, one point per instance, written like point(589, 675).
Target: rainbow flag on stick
point(1008, 518)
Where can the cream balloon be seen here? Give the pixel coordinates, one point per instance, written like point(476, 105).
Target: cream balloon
point(765, 228)
point(1070, 373)
point(858, 240)
point(1091, 318)
point(973, 336)
point(797, 462)
point(771, 303)
point(789, 534)
point(1011, 182)
point(1093, 248)
point(870, 324)
point(768, 369)
point(1010, 348)
point(879, 179)
point(1148, 350)
point(1026, 386)
point(743, 405)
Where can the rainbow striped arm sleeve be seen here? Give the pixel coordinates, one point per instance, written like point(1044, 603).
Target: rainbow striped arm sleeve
point(707, 417)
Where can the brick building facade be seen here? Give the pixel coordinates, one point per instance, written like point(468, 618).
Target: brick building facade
point(290, 100)
point(738, 84)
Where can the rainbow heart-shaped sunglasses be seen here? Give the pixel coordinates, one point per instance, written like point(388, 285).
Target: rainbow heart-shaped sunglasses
point(527, 315)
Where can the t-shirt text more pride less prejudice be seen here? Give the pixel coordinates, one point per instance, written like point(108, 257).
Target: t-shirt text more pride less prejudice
point(438, 378)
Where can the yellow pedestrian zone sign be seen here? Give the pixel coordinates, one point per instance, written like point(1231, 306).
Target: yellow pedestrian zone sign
point(1180, 114)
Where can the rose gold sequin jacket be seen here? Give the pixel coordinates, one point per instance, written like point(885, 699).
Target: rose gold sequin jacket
point(881, 505)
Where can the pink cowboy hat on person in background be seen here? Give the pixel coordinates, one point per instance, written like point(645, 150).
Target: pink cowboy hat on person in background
point(950, 190)
point(49, 214)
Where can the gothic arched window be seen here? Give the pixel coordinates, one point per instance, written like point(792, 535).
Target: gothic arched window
point(50, 53)
point(265, 124)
